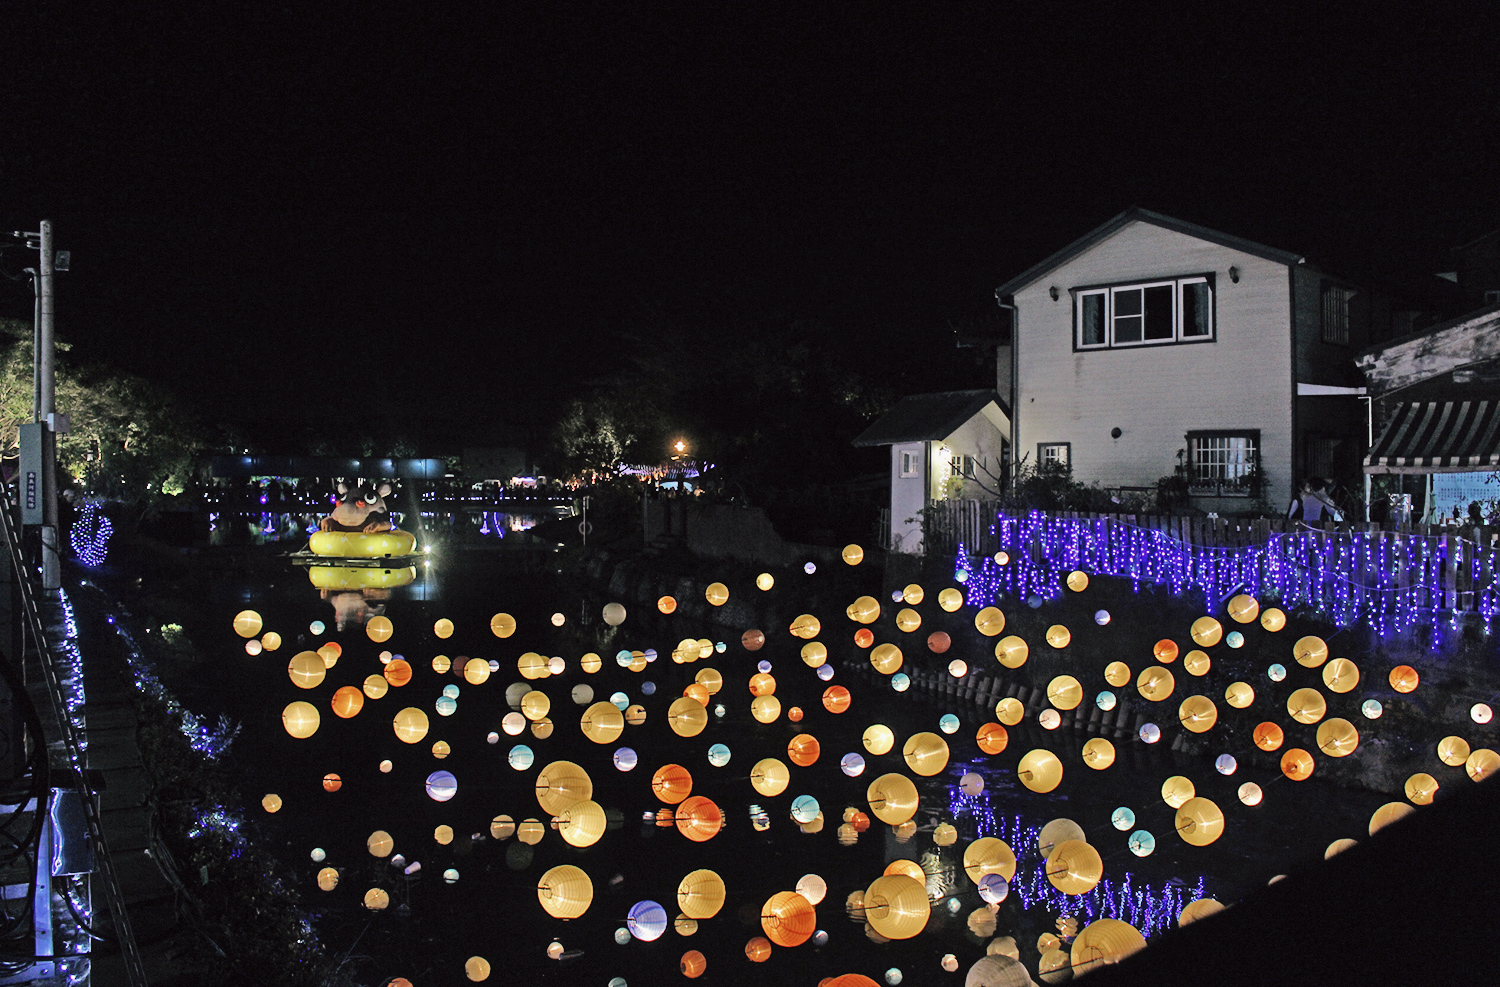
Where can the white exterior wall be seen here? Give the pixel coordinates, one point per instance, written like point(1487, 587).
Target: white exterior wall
point(1156, 394)
point(980, 436)
point(908, 498)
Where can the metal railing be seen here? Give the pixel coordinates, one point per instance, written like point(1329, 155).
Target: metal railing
point(113, 893)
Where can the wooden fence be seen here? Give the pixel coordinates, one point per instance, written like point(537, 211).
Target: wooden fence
point(1383, 574)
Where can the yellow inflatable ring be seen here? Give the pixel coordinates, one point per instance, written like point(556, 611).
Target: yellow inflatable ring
point(358, 545)
point(341, 577)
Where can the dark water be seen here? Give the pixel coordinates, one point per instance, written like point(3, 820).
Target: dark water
point(492, 910)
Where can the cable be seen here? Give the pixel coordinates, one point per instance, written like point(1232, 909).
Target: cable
point(73, 910)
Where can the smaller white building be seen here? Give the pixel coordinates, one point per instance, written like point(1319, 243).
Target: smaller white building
point(953, 445)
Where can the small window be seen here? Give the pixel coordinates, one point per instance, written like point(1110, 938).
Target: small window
point(1195, 309)
point(1091, 319)
point(963, 467)
point(1054, 454)
point(1224, 464)
point(1336, 300)
point(910, 463)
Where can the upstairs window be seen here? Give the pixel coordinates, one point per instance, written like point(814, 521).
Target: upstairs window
point(1145, 314)
point(1336, 300)
point(1054, 454)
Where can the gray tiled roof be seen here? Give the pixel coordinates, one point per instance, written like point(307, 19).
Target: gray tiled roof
point(927, 417)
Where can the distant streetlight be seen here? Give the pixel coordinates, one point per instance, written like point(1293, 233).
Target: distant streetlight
point(679, 447)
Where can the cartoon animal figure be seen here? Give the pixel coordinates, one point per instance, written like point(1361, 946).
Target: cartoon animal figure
point(360, 508)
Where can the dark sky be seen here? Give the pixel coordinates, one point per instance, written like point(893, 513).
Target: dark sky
point(338, 207)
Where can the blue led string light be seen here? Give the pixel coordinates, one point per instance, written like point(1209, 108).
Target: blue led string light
point(90, 535)
point(1391, 583)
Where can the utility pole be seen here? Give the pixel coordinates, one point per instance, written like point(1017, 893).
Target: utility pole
point(39, 438)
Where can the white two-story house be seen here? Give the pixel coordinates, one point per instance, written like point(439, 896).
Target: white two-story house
point(1151, 342)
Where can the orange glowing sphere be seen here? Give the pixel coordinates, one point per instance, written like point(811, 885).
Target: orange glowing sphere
point(332, 782)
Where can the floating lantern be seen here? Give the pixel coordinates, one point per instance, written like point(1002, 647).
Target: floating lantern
point(814, 654)
point(300, 719)
point(253, 648)
point(1225, 764)
point(1272, 619)
point(925, 753)
point(770, 777)
point(1199, 821)
point(806, 627)
point(1404, 678)
point(1104, 941)
point(271, 641)
point(701, 894)
point(1337, 737)
point(561, 784)
point(1250, 793)
point(1387, 814)
point(1165, 651)
point(886, 659)
point(271, 803)
point(1481, 713)
point(836, 699)
point(441, 749)
point(863, 638)
point(1098, 753)
point(699, 818)
point(247, 623)
point(1243, 609)
point(1150, 733)
point(1197, 714)
point(1012, 651)
point(385, 767)
point(1371, 708)
point(330, 652)
point(788, 919)
point(1155, 683)
point(989, 621)
point(693, 963)
point(347, 702)
point(1176, 790)
point(1141, 843)
point(1117, 673)
point(758, 950)
point(1268, 736)
point(896, 906)
point(958, 668)
point(852, 555)
point(635, 714)
point(581, 824)
point(687, 717)
point(441, 786)
point(513, 723)
point(764, 582)
point(1276, 672)
point(1421, 788)
point(410, 725)
point(624, 759)
point(717, 594)
point(441, 664)
point(1105, 700)
point(328, 879)
point(1055, 832)
point(379, 629)
point(803, 750)
point(892, 798)
point(1065, 692)
point(379, 843)
point(1010, 711)
point(900, 682)
point(879, 739)
point(805, 809)
point(1050, 719)
point(1239, 695)
point(1234, 639)
point(1306, 705)
point(1122, 818)
point(332, 782)
point(376, 900)
point(1297, 764)
point(950, 599)
point(765, 709)
point(1482, 763)
point(1196, 663)
point(1074, 867)
point(1340, 675)
point(397, 672)
point(566, 892)
point(993, 738)
point(476, 968)
point(1058, 636)
point(1206, 632)
point(1040, 770)
point(865, 610)
point(1200, 908)
point(521, 757)
point(852, 765)
point(1310, 651)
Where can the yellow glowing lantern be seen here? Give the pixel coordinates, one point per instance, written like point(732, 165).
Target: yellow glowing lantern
point(477, 968)
point(988, 855)
point(912, 595)
point(307, 670)
point(897, 907)
point(443, 835)
point(1196, 663)
point(591, 663)
point(1117, 673)
point(271, 641)
point(711, 679)
point(950, 599)
point(541, 729)
point(926, 754)
point(1272, 619)
point(1155, 683)
point(1058, 636)
point(271, 803)
point(765, 709)
point(945, 835)
point(892, 798)
point(247, 623)
point(1243, 609)
point(1239, 694)
point(380, 844)
point(1453, 751)
point(1482, 763)
point(1065, 692)
point(442, 628)
point(535, 705)
point(1078, 581)
point(1310, 651)
point(852, 555)
point(1104, 941)
point(582, 823)
point(865, 610)
point(397, 672)
point(377, 899)
point(476, 671)
point(565, 891)
point(879, 739)
point(687, 717)
point(764, 582)
point(502, 827)
point(1040, 770)
point(1337, 737)
point(410, 725)
point(1011, 651)
point(561, 784)
point(1010, 711)
point(886, 658)
point(502, 625)
point(532, 666)
point(1197, 714)
point(1387, 814)
point(910, 868)
point(717, 594)
point(908, 620)
point(1340, 675)
point(1074, 867)
point(1199, 907)
point(770, 777)
point(330, 653)
point(1306, 705)
point(701, 894)
point(1421, 788)
point(1176, 790)
point(1206, 632)
point(1098, 753)
point(806, 627)
point(376, 686)
point(1055, 832)
point(300, 719)
point(442, 664)
point(989, 621)
point(441, 749)
point(814, 654)
point(379, 629)
point(328, 879)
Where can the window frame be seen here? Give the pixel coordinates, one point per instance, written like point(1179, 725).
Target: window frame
point(911, 464)
point(1346, 296)
point(1108, 293)
point(1221, 487)
point(1066, 447)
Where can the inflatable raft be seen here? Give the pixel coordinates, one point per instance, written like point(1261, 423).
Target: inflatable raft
point(337, 578)
point(358, 545)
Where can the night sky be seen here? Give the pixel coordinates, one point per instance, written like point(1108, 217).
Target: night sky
point(454, 216)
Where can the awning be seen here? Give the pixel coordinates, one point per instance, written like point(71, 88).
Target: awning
point(1439, 437)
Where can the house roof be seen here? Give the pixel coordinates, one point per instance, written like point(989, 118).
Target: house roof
point(1133, 215)
point(1467, 340)
point(1438, 437)
point(927, 417)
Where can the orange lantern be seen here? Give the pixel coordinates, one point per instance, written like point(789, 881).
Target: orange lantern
point(330, 653)
point(348, 701)
point(699, 692)
point(672, 783)
point(1165, 651)
point(332, 782)
point(992, 738)
point(398, 672)
point(939, 642)
point(862, 639)
point(666, 604)
point(1269, 736)
point(758, 949)
point(753, 640)
point(1404, 678)
point(693, 964)
point(794, 714)
point(762, 684)
point(803, 750)
point(1297, 764)
point(699, 819)
point(836, 699)
point(860, 822)
point(788, 918)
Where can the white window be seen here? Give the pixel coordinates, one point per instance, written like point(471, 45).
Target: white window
point(1054, 454)
point(1145, 314)
point(911, 463)
point(1224, 464)
point(963, 467)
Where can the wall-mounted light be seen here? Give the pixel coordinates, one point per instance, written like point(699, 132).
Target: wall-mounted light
point(1053, 292)
point(1234, 275)
point(1115, 432)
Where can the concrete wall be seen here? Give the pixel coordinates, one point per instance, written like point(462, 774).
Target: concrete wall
point(1156, 394)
